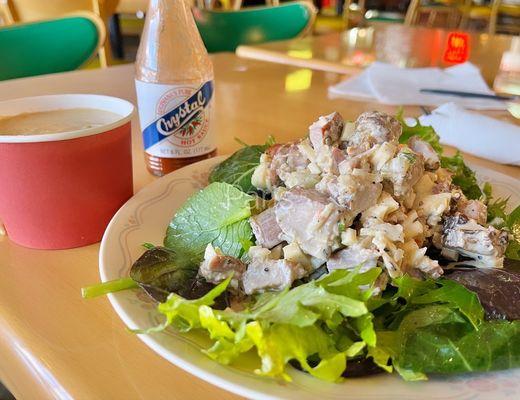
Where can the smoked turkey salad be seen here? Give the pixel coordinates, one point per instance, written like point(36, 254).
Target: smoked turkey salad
point(357, 249)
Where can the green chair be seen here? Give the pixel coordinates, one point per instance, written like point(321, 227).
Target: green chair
point(45, 47)
point(226, 30)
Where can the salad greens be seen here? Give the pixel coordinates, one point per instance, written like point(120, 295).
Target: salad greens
point(466, 179)
point(238, 169)
point(498, 217)
point(447, 347)
point(415, 327)
point(424, 327)
point(159, 271)
point(463, 176)
point(426, 133)
point(218, 214)
point(99, 289)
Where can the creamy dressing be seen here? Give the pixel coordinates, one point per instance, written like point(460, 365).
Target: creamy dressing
point(55, 121)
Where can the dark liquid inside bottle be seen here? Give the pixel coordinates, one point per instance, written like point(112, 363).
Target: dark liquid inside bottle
point(160, 166)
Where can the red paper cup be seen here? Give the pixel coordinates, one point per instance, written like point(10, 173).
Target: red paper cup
point(60, 190)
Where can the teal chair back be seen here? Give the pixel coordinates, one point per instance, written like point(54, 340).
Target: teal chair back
point(44, 47)
point(226, 30)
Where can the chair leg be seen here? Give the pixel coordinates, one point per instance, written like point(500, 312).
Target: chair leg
point(411, 12)
point(6, 17)
point(340, 4)
point(465, 14)
point(492, 28)
point(431, 19)
point(116, 38)
point(346, 13)
point(237, 4)
point(452, 18)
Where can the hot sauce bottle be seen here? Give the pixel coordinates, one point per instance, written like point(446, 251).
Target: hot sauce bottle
point(175, 91)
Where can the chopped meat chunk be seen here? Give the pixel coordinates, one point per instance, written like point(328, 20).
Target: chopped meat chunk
point(360, 161)
point(308, 218)
point(352, 257)
point(473, 209)
point(354, 192)
point(485, 245)
point(326, 130)
point(429, 267)
point(266, 229)
point(286, 160)
point(217, 267)
point(371, 128)
point(431, 158)
point(404, 171)
point(416, 262)
point(441, 187)
point(328, 159)
point(266, 274)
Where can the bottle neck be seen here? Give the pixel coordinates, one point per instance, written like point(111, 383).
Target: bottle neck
point(171, 49)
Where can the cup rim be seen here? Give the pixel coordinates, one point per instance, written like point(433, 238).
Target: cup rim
point(66, 101)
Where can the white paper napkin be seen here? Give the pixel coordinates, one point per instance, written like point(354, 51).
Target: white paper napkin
point(476, 134)
point(389, 84)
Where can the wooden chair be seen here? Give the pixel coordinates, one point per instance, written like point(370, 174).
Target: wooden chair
point(34, 10)
point(6, 18)
point(353, 12)
point(450, 10)
point(506, 10)
point(226, 30)
point(237, 4)
point(132, 6)
point(358, 13)
point(490, 14)
point(49, 46)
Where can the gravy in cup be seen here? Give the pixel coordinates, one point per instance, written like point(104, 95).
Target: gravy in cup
point(56, 121)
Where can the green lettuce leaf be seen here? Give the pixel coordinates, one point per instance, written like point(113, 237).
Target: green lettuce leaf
point(218, 214)
point(494, 346)
point(306, 324)
point(513, 225)
point(496, 208)
point(457, 297)
point(277, 344)
point(239, 167)
point(417, 327)
point(426, 133)
point(305, 304)
point(463, 176)
point(418, 293)
point(499, 218)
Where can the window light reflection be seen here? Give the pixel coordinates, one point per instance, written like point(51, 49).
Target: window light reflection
point(305, 54)
point(298, 80)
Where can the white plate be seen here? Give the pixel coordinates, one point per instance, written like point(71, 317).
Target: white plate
point(144, 218)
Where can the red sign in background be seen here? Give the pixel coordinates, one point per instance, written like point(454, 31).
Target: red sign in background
point(457, 48)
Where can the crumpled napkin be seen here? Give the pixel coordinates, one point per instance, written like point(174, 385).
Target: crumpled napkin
point(476, 134)
point(389, 84)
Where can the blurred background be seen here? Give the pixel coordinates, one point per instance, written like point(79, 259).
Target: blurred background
point(123, 19)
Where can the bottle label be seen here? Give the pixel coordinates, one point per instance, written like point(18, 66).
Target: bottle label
point(175, 119)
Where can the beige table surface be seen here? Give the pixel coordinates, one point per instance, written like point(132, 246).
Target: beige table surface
point(54, 344)
point(349, 51)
